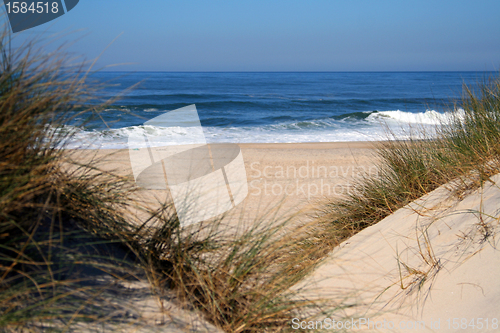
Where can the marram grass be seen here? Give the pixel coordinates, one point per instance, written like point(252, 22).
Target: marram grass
point(68, 238)
point(464, 151)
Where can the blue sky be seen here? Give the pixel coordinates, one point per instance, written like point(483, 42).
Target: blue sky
point(284, 35)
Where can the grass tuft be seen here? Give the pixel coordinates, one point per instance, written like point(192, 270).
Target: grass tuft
point(61, 231)
point(68, 237)
point(240, 283)
point(464, 152)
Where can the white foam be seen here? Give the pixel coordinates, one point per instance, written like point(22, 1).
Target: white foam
point(118, 138)
point(429, 117)
point(375, 127)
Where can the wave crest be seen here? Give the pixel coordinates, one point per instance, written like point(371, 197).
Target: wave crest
point(348, 127)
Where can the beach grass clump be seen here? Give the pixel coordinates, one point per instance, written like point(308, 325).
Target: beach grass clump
point(59, 225)
point(463, 152)
point(68, 236)
point(240, 283)
point(473, 135)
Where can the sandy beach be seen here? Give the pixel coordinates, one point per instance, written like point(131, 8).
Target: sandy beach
point(249, 167)
point(421, 267)
point(284, 179)
point(433, 239)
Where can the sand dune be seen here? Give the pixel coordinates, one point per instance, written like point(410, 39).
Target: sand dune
point(432, 262)
point(432, 266)
point(284, 180)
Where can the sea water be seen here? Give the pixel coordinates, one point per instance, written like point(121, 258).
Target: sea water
point(273, 107)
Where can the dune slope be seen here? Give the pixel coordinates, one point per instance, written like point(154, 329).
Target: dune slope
point(432, 265)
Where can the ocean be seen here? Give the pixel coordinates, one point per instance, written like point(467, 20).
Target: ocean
point(274, 107)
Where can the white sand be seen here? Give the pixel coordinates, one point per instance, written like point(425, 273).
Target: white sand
point(427, 262)
point(308, 172)
point(284, 179)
